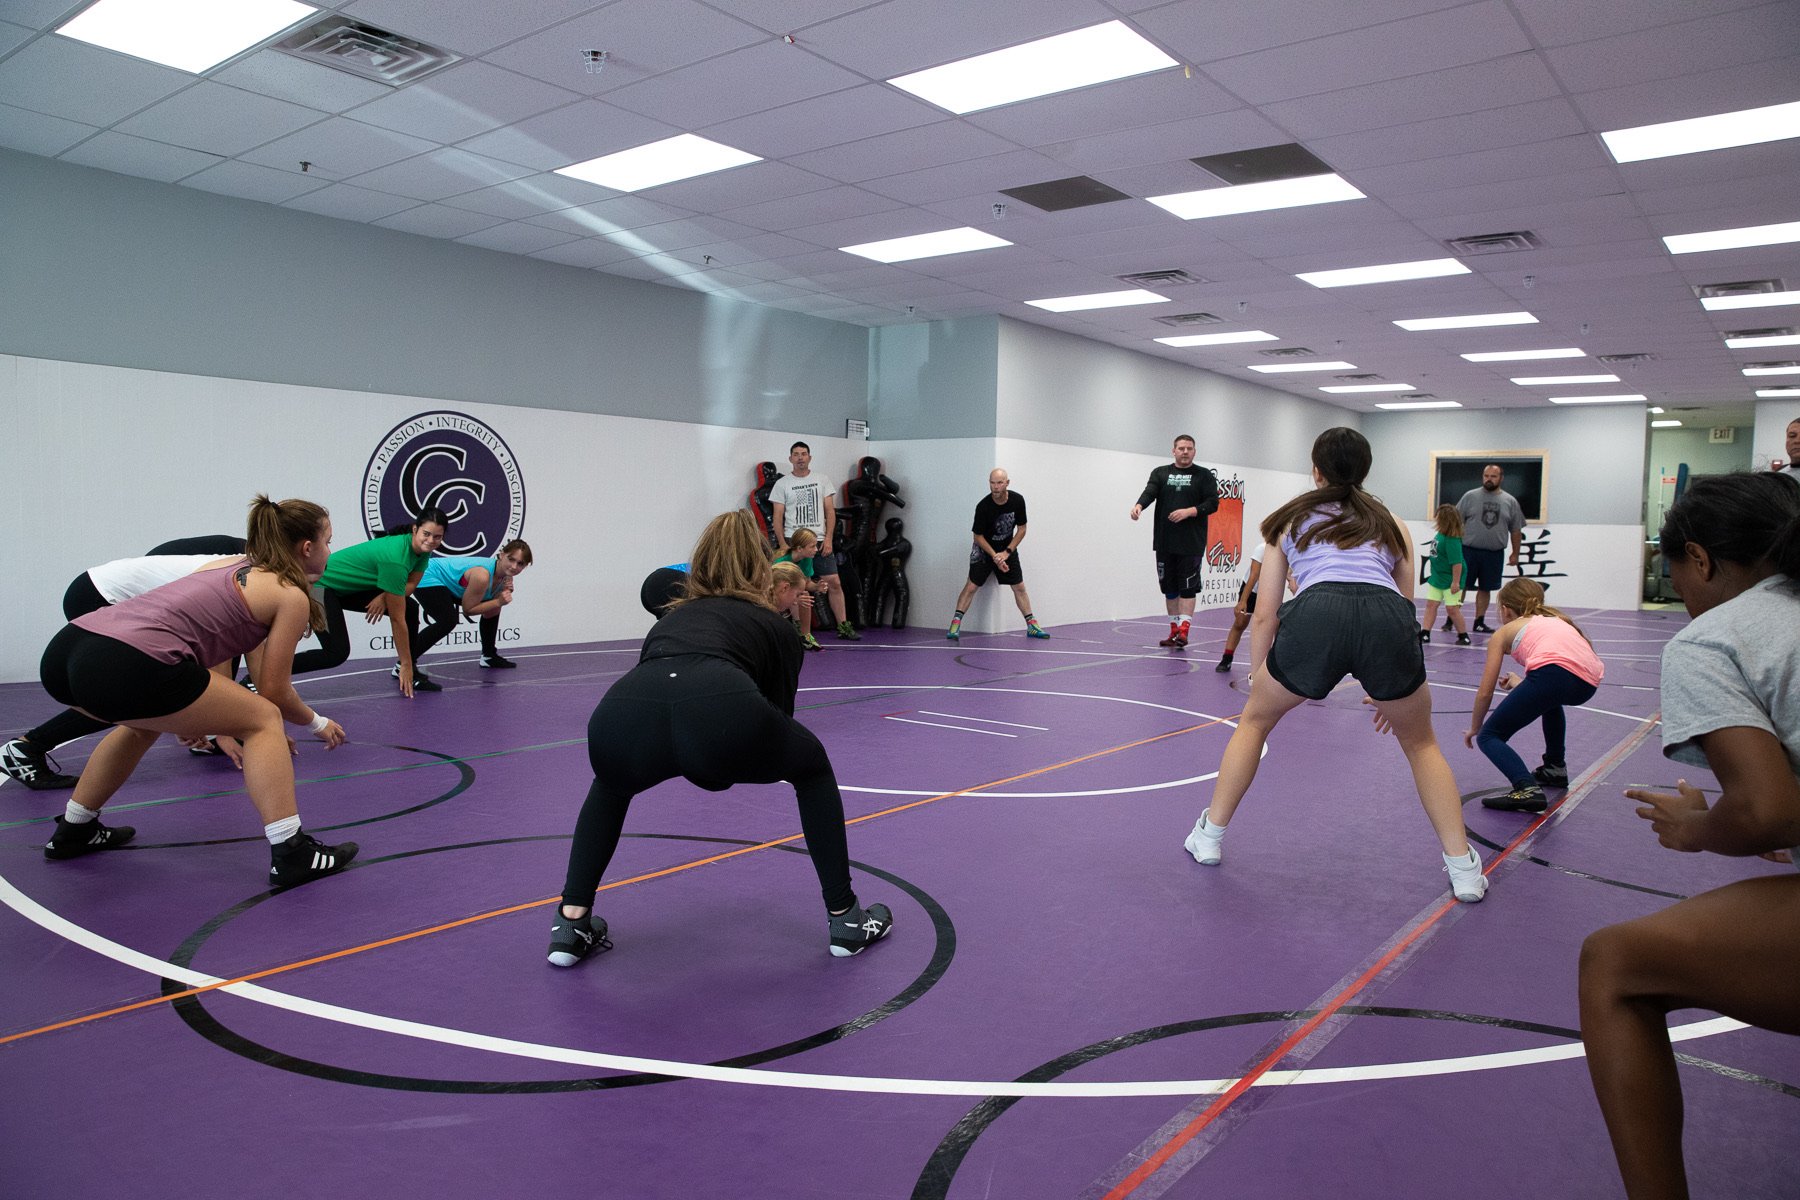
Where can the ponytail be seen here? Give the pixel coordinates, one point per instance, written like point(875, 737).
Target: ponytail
point(274, 530)
point(1342, 457)
point(1526, 597)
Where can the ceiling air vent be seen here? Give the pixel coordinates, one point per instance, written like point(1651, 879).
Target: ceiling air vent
point(1287, 352)
point(1264, 164)
point(1494, 243)
point(1625, 359)
point(1180, 320)
point(1154, 279)
point(1418, 396)
point(1077, 191)
point(1784, 331)
point(1365, 377)
point(1769, 365)
point(346, 45)
point(1742, 287)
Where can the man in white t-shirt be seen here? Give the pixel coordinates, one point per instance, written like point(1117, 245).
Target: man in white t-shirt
point(805, 499)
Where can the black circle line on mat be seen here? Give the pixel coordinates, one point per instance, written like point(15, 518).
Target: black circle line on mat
point(940, 1169)
point(1482, 840)
point(190, 1009)
point(462, 785)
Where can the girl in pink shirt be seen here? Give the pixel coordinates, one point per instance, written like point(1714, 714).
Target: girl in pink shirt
point(1561, 670)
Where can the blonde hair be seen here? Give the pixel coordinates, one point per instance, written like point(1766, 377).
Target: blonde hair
point(788, 573)
point(802, 536)
point(1526, 598)
point(1449, 520)
point(730, 559)
point(273, 531)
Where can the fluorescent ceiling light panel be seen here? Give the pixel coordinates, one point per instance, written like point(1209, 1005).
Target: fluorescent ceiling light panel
point(1543, 380)
point(681, 157)
point(1429, 268)
point(189, 35)
point(1522, 355)
point(1656, 408)
point(1751, 343)
point(1218, 339)
point(1097, 54)
point(1122, 299)
point(1665, 424)
point(1402, 405)
point(1734, 239)
point(1772, 370)
point(1777, 393)
point(1308, 366)
point(1751, 300)
point(1477, 321)
point(1596, 399)
point(1257, 197)
point(1745, 128)
point(926, 245)
point(1371, 387)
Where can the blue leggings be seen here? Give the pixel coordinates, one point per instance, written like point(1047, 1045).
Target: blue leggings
point(1544, 693)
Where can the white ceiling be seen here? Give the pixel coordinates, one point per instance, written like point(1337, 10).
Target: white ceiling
point(1455, 118)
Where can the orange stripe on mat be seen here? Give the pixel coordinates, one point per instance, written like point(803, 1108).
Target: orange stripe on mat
point(617, 883)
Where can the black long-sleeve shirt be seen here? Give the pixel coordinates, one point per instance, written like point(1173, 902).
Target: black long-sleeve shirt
point(748, 636)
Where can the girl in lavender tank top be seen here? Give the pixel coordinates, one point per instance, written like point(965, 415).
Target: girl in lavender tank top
point(142, 665)
point(1354, 616)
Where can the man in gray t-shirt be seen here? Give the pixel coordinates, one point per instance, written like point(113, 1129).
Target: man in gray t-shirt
point(1491, 518)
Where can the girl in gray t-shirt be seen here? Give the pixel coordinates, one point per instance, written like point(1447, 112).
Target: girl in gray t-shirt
point(1731, 702)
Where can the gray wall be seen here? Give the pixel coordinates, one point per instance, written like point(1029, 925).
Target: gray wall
point(1595, 456)
point(934, 380)
point(115, 270)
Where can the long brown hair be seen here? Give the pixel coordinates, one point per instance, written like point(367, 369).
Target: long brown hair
point(1449, 520)
point(1343, 459)
point(730, 559)
point(274, 530)
point(1526, 597)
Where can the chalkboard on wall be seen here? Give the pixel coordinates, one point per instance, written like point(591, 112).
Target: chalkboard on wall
point(1522, 474)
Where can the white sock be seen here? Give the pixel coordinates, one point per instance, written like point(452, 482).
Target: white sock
point(280, 831)
point(74, 814)
point(1207, 826)
point(1463, 860)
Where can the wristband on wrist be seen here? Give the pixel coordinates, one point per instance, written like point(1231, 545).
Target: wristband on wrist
point(319, 722)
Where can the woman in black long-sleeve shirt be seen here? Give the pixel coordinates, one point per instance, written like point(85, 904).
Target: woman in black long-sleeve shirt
point(711, 700)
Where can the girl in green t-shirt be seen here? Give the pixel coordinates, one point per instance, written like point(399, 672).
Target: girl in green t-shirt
point(1445, 583)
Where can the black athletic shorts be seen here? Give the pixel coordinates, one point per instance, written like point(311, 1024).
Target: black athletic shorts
point(981, 566)
point(1250, 603)
point(1178, 575)
point(1331, 630)
point(116, 682)
point(1487, 569)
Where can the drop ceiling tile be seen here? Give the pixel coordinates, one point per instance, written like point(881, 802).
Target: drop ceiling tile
point(464, 26)
point(873, 157)
point(12, 36)
point(828, 120)
point(1663, 97)
point(756, 77)
point(351, 203)
point(35, 133)
point(439, 174)
point(987, 175)
point(1576, 185)
point(1216, 133)
point(752, 183)
point(468, 99)
point(643, 37)
point(1728, 39)
point(77, 82)
point(1455, 38)
point(39, 14)
point(251, 182)
point(1220, 29)
point(1770, 191)
point(529, 197)
point(1557, 23)
point(885, 40)
point(568, 135)
point(1564, 156)
point(1107, 108)
point(773, 292)
point(609, 216)
point(1513, 125)
point(284, 77)
point(814, 208)
point(138, 156)
point(1516, 79)
point(219, 120)
point(517, 237)
point(338, 148)
point(437, 220)
point(688, 232)
point(586, 252)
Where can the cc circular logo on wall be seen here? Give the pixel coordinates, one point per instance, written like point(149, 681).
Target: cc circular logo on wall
point(452, 461)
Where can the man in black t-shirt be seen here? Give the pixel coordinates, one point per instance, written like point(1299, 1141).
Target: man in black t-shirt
point(999, 528)
point(1184, 494)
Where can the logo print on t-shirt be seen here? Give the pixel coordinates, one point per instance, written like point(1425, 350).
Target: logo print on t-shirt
point(452, 461)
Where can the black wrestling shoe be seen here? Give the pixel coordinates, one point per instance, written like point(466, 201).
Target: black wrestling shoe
point(421, 681)
point(1224, 663)
point(854, 931)
point(1527, 797)
point(1552, 776)
point(1480, 626)
point(207, 749)
point(73, 841)
point(1425, 636)
point(24, 762)
point(574, 938)
point(495, 663)
point(304, 858)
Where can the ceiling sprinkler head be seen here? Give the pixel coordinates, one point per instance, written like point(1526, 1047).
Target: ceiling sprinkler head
point(594, 61)
point(999, 211)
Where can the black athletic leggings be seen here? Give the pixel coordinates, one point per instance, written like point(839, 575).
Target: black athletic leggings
point(334, 641)
point(702, 719)
point(442, 607)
